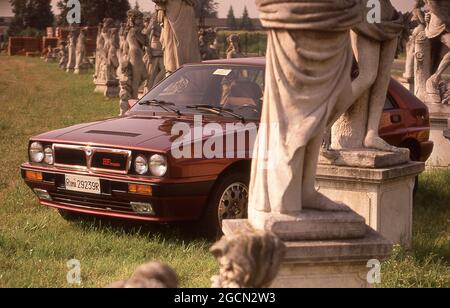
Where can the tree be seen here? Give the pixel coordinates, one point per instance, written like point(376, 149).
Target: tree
point(246, 21)
point(31, 15)
point(231, 19)
point(205, 9)
point(94, 11)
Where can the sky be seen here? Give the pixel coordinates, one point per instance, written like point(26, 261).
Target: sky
point(224, 5)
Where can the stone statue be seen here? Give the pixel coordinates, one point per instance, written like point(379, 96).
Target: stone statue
point(50, 55)
point(247, 260)
point(374, 46)
point(153, 57)
point(207, 38)
point(71, 59)
point(438, 31)
point(418, 25)
point(100, 43)
point(149, 276)
point(309, 59)
point(106, 61)
point(112, 60)
point(62, 55)
point(81, 63)
point(234, 47)
point(136, 41)
point(179, 36)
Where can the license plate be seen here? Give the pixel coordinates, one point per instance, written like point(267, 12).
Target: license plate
point(84, 184)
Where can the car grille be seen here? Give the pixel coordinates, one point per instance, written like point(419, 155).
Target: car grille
point(92, 158)
point(101, 202)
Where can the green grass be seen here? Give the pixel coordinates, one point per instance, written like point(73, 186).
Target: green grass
point(35, 243)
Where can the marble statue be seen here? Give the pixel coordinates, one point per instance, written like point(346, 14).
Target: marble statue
point(375, 46)
point(81, 63)
point(234, 47)
point(72, 46)
point(149, 276)
point(179, 35)
point(153, 57)
point(309, 58)
point(106, 62)
point(419, 24)
point(247, 260)
point(136, 41)
point(207, 39)
point(100, 43)
point(438, 31)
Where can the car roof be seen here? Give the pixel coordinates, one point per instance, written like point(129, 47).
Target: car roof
point(256, 61)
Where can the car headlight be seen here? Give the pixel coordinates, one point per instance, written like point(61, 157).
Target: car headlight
point(141, 165)
point(48, 156)
point(158, 165)
point(36, 152)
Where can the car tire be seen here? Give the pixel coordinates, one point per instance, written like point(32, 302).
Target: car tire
point(68, 215)
point(228, 200)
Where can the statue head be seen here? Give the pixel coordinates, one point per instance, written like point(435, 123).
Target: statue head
point(135, 19)
point(248, 260)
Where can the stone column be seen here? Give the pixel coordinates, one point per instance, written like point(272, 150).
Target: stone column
point(439, 115)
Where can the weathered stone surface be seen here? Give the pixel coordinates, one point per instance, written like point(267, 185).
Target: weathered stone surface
point(311, 225)
point(324, 264)
point(365, 158)
point(439, 115)
point(384, 197)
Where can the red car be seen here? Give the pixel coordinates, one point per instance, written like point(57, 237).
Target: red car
point(183, 152)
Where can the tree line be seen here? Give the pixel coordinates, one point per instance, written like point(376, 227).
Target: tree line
point(32, 17)
point(244, 23)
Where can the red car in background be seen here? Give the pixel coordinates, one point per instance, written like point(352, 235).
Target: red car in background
point(125, 167)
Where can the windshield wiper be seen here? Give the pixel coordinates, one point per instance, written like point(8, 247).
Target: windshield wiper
point(217, 110)
point(167, 106)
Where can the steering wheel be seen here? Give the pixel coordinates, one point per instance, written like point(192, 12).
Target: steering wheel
point(249, 106)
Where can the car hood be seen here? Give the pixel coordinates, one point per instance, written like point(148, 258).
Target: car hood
point(138, 132)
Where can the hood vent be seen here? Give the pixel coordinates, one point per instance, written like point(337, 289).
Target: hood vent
point(103, 132)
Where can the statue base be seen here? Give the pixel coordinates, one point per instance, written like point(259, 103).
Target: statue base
point(383, 196)
point(107, 88)
point(310, 225)
point(439, 118)
point(364, 158)
point(326, 264)
point(69, 70)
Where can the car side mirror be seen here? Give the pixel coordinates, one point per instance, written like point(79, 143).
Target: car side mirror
point(132, 102)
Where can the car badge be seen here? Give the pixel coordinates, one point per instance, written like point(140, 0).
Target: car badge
point(88, 152)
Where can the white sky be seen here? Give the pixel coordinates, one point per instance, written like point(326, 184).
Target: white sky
point(224, 5)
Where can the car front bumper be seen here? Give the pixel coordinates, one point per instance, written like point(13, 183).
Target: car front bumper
point(178, 201)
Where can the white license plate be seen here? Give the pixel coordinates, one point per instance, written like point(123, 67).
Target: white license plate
point(84, 184)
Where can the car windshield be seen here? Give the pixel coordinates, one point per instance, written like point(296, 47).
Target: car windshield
point(229, 91)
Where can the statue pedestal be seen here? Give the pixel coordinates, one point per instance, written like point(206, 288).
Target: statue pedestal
point(382, 194)
point(107, 88)
point(325, 264)
point(439, 117)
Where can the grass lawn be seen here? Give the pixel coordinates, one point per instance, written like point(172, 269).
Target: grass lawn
point(35, 243)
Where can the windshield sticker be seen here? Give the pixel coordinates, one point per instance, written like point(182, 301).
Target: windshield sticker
point(222, 72)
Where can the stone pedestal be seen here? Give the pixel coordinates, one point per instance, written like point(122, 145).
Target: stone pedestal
point(109, 88)
point(381, 191)
point(439, 116)
point(325, 264)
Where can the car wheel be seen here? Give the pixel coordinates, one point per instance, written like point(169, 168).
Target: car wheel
point(228, 200)
point(68, 215)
